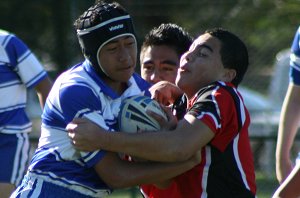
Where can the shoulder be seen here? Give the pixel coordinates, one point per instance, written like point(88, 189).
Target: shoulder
point(11, 39)
point(217, 90)
point(215, 99)
point(74, 85)
point(140, 83)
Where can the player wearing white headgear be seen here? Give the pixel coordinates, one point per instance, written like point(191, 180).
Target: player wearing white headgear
point(93, 89)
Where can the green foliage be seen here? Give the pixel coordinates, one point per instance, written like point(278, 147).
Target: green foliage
point(267, 26)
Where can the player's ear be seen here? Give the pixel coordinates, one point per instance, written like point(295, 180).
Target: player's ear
point(228, 75)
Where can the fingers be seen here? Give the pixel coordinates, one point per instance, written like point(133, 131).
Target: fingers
point(161, 97)
point(71, 127)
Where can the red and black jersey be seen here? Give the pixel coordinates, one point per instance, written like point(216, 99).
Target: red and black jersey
point(227, 168)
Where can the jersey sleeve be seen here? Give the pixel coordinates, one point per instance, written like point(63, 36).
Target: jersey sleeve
point(81, 101)
point(295, 59)
point(216, 108)
point(24, 62)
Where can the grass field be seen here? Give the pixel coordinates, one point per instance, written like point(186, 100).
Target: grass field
point(265, 185)
point(265, 188)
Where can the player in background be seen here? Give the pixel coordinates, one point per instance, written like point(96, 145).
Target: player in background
point(290, 114)
point(93, 89)
point(288, 127)
point(161, 51)
point(216, 122)
point(160, 56)
point(20, 70)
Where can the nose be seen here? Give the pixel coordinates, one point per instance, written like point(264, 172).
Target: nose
point(124, 54)
point(155, 76)
point(185, 58)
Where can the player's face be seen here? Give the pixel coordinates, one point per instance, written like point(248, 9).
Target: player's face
point(159, 63)
point(201, 65)
point(118, 58)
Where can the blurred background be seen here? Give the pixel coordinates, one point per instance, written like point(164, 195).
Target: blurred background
point(267, 27)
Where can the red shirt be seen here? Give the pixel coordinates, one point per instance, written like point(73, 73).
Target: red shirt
point(227, 168)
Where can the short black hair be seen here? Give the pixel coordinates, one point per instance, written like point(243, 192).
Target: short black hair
point(233, 52)
point(171, 35)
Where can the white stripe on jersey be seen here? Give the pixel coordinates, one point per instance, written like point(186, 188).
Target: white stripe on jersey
point(238, 161)
point(242, 108)
point(205, 171)
point(7, 37)
point(295, 61)
point(13, 95)
point(21, 157)
point(3, 55)
point(213, 117)
point(32, 75)
point(68, 99)
point(13, 129)
point(236, 142)
point(28, 72)
point(57, 140)
point(97, 119)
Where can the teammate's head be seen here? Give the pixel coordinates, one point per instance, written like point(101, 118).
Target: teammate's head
point(233, 52)
point(161, 52)
point(100, 24)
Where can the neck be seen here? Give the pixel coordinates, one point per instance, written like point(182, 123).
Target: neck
point(118, 87)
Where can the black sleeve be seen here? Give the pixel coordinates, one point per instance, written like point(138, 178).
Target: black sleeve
point(179, 107)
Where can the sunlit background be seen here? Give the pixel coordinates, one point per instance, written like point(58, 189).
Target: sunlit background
point(267, 27)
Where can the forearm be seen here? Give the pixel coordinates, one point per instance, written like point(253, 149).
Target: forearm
point(128, 174)
point(287, 130)
point(150, 146)
point(165, 146)
point(289, 122)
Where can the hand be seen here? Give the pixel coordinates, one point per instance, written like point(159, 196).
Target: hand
point(84, 134)
point(165, 92)
point(165, 125)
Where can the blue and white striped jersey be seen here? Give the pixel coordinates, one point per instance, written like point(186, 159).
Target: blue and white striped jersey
point(295, 59)
point(78, 92)
point(19, 70)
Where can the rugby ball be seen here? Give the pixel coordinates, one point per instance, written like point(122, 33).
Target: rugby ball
point(133, 117)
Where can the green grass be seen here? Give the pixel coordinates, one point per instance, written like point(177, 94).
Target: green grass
point(266, 185)
point(126, 193)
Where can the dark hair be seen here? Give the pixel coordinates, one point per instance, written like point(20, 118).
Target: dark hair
point(98, 13)
point(233, 52)
point(170, 35)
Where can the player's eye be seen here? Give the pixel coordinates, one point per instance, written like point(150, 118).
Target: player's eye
point(131, 43)
point(168, 68)
point(111, 49)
